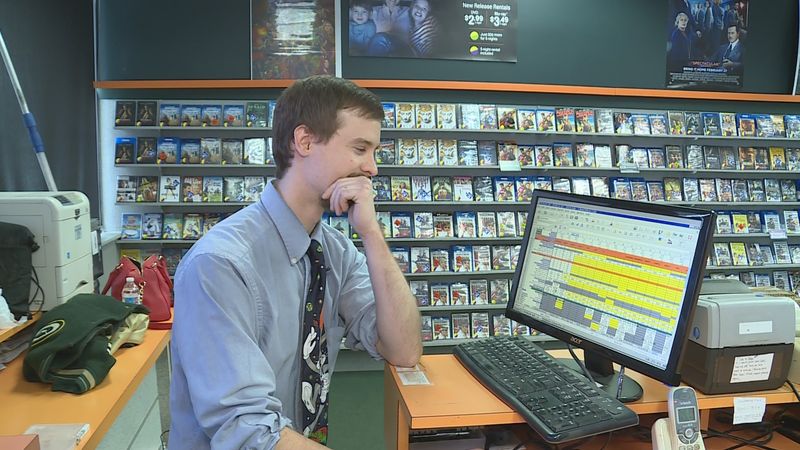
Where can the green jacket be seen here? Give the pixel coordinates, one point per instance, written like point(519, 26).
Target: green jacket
point(71, 347)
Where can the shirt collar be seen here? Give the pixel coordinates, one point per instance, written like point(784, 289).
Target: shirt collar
point(290, 229)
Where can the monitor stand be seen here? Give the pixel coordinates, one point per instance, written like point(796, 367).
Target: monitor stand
point(604, 374)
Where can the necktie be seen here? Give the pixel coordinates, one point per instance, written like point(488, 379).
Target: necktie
point(728, 51)
point(314, 376)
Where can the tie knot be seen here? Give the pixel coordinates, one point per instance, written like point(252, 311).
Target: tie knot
point(314, 251)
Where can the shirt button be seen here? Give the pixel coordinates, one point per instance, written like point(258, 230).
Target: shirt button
point(294, 260)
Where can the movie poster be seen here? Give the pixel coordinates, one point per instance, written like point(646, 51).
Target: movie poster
point(433, 29)
point(706, 44)
point(292, 39)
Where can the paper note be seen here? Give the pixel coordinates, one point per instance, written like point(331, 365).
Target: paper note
point(748, 409)
point(413, 378)
point(751, 368)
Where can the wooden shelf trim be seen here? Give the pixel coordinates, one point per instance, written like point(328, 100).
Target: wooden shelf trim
point(461, 86)
point(8, 333)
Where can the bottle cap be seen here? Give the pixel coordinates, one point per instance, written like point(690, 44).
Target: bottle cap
point(129, 280)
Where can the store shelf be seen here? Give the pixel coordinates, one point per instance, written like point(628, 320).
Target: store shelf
point(451, 308)
point(458, 274)
point(158, 128)
point(763, 267)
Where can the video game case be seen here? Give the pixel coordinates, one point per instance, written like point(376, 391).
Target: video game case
point(546, 119)
point(466, 224)
point(487, 153)
point(459, 294)
point(461, 326)
point(421, 291)
point(498, 291)
point(442, 225)
point(480, 325)
point(543, 155)
point(401, 224)
point(448, 152)
point(479, 292)
point(192, 226)
point(440, 262)
point(462, 189)
point(212, 189)
point(526, 119)
point(233, 189)
point(565, 120)
point(469, 117)
point(147, 189)
point(487, 224)
point(406, 117)
point(488, 117)
point(169, 115)
point(257, 114)
point(423, 225)
point(420, 260)
point(233, 115)
point(124, 150)
point(426, 331)
point(723, 225)
point(407, 152)
point(427, 151)
point(385, 154)
point(420, 188)
point(169, 189)
point(562, 154)
point(425, 115)
point(482, 258)
point(467, 153)
point(446, 116)
point(388, 115)
point(401, 257)
point(501, 257)
point(131, 226)
point(442, 188)
point(506, 118)
point(526, 156)
point(401, 188)
point(441, 327)
point(584, 120)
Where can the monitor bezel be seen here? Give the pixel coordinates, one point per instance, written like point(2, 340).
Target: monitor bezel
point(670, 374)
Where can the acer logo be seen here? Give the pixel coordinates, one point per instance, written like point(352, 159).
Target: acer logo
point(575, 340)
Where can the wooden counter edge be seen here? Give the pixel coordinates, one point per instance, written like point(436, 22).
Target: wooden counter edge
point(96, 435)
point(8, 333)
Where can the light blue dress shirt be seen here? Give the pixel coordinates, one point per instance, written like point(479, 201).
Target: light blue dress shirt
point(239, 296)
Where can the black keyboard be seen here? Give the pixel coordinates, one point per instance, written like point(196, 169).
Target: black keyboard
point(557, 403)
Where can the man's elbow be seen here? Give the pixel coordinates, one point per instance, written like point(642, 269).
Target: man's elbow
point(408, 358)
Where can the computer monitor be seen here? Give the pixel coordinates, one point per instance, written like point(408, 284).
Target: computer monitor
point(617, 278)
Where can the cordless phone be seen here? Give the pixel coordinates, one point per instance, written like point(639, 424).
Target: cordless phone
point(681, 430)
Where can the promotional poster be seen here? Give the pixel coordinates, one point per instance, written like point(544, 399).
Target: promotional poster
point(434, 29)
point(706, 44)
point(292, 39)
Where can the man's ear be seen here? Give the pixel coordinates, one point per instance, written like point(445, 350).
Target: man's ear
point(302, 140)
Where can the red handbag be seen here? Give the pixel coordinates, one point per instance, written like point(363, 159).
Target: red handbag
point(153, 281)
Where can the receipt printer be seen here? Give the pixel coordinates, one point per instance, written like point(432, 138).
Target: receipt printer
point(739, 341)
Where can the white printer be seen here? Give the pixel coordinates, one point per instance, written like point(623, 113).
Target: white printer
point(740, 340)
point(60, 225)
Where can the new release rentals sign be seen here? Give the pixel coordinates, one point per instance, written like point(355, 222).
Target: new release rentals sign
point(434, 29)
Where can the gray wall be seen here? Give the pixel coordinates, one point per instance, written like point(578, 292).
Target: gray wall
point(614, 43)
point(51, 45)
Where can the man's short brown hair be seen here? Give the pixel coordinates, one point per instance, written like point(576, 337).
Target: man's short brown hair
point(315, 102)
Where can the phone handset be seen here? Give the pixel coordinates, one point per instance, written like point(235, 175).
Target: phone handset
point(681, 430)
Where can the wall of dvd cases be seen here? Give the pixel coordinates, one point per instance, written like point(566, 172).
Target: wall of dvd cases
point(455, 181)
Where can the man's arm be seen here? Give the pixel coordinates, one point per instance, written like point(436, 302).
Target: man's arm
point(398, 320)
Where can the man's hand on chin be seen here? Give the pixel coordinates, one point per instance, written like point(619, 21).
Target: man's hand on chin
point(353, 195)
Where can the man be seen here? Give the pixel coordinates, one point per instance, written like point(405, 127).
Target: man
point(730, 55)
point(252, 354)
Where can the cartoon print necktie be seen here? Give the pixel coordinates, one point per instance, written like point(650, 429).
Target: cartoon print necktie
point(314, 376)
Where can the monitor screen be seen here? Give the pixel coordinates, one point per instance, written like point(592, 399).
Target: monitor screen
point(614, 277)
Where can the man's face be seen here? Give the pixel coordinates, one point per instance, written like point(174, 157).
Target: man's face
point(359, 14)
point(682, 22)
point(732, 34)
point(392, 3)
point(350, 152)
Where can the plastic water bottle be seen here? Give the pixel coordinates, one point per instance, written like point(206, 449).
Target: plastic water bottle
point(130, 292)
